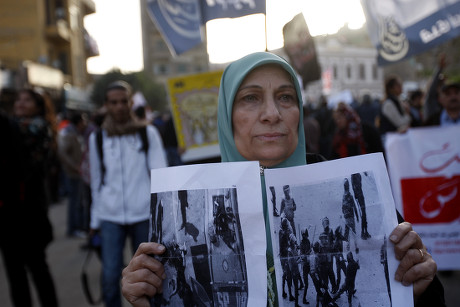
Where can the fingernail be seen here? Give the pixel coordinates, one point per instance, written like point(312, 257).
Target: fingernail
point(163, 276)
point(397, 277)
point(160, 248)
point(405, 283)
point(393, 238)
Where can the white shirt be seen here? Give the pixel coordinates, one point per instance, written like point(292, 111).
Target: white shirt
point(124, 198)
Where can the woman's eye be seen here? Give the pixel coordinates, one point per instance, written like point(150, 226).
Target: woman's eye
point(250, 98)
point(287, 98)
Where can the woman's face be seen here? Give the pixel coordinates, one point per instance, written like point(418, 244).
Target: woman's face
point(265, 116)
point(25, 105)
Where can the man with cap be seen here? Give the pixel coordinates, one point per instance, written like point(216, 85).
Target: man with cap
point(450, 102)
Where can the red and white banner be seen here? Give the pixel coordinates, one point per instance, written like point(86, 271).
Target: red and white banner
point(424, 167)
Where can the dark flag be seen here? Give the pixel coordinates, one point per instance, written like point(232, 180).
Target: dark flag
point(213, 9)
point(300, 48)
point(401, 29)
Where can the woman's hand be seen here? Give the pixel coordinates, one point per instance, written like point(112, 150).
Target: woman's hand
point(144, 275)
point(416, 265)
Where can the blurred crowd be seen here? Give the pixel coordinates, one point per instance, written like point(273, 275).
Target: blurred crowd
point(45, 158)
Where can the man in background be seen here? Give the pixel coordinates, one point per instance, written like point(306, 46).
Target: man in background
point(122, 153)
point(449, 99)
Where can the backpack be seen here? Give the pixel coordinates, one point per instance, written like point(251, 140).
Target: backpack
point(99, 139)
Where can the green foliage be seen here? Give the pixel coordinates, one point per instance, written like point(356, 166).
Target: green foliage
point(154, 93)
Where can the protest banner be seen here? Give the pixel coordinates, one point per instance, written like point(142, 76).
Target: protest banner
point(424, 167)
point(211, 9)
point(193, 100)
point(180, 21)
point(300, 47)
point(400, 29)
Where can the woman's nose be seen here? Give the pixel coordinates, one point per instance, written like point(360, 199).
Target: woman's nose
point(270, 111)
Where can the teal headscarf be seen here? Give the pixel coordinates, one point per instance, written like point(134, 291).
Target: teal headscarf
point(232, 77)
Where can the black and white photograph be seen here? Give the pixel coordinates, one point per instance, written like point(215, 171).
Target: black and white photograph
point(329, 238)
point(206, 226)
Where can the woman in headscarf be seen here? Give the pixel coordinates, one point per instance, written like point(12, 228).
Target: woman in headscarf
point(259, 116)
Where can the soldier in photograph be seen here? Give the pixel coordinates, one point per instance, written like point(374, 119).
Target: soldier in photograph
point(327, 248)
point(288, 206)
point(349, 211)
point(319, 277)
point(326, 270)
point(275, 211)
point(338, 254)
point(182, 194)
point(223, 218)
point(350, 277)
point(359, 196)
point(284, 235)
point(293, 262)
point(305, 251)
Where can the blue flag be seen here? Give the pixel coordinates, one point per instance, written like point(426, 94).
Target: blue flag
point(178, 21)
point(400, 29)
point(213, 9)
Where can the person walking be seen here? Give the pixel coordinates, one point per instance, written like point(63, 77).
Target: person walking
point(122, 153)
point(70, 150)
point(25, 202)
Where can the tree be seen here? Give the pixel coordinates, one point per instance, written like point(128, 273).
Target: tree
point(154, 93)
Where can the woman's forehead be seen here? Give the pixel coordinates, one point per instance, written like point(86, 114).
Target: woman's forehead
point(267, 70)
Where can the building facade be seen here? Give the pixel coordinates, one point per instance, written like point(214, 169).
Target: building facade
point(43, 43)
point(347, 71)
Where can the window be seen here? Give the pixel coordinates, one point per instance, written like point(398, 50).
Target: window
point(375, 72)
point(160, 69)
point(348, 70)
point(335, 72)
point(181, 68)
point(198, 68)
point(362, 72)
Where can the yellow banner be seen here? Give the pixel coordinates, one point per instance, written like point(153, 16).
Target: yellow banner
point(193, 101)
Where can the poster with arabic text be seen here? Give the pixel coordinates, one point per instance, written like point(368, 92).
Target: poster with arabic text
point(424, 167)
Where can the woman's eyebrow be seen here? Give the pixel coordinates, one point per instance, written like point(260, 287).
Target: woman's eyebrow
point(288, 86)
point(249, 86)
point(258, 86)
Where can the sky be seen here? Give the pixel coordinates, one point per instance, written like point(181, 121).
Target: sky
point(116, 27)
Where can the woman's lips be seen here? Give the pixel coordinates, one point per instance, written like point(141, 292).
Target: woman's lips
point(270, 136)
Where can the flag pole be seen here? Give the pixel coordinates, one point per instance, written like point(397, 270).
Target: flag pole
point(266, 42)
